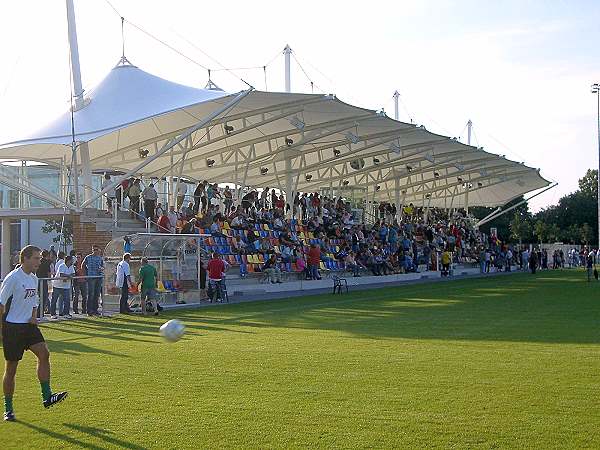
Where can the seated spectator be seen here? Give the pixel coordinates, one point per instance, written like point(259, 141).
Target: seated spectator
point(266, 246)
point(164, 224)
point(238, 246)
point(286, 253)
point(215, 229)
point(189, 227)
point(187, 212)
point(270, 267)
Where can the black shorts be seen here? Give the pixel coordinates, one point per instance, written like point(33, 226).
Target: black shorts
point(18, 337)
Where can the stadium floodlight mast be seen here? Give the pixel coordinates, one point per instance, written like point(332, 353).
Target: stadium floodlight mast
point(596, 90)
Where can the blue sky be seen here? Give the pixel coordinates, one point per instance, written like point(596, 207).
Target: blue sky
point(520, 70)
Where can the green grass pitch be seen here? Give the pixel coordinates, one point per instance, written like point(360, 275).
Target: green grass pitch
point(501, 362)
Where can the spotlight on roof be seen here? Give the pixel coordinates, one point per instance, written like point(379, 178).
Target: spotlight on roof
point(429, 157)
point(352, 137)
point(436, 174)
point(409, 168)
point(308, 177)
point(479, 184)
point(336, 152)
point(376, 161)
point(427, 195)
point(403, 191)
point(228, 129)
point(377, 187)
point(345, 182)
point(289, 141)
point(297, 123)
point(395, 148)
point(459, 179)
point(264, 170)
point(210, 162)
point(143, 152)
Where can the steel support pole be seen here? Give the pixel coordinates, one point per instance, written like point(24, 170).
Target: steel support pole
point(287, 51)
point(396, 110)
point(5, 260)
point(78, 98)
point(598, 124)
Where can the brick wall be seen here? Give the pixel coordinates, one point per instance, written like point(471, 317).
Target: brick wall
point(85, 235)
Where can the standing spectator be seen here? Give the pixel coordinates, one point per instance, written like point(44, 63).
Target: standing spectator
point(150, 196)
point(446, 259)
point(93, 264)
point(173, 218)
point(79, 286)
point(123, 282)
point(181, 193)
point(62, 287)
point(216, 271)
point(314, 259)
point(198, 193)
point(43, 271)
point(533, 261)
point(148, 278)
point(134, 198)
point(110, 194)
point(127, 246)
point(228, 194)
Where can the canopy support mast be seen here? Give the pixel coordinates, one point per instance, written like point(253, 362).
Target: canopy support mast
point(77, 94)
point(468, 185)
point(289, 199)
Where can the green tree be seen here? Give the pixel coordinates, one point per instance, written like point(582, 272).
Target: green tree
point(65, 231)
point(553, 232)
point(520, 228)
point(587, 234)
point(541, 231)
point(589, 183)
point(502, 223)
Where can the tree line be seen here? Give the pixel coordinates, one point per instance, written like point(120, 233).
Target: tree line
point(573, 220)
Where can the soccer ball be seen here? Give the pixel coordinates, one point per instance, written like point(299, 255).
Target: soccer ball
point(172, 330)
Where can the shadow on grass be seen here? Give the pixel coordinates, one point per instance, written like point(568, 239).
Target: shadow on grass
point(94, 432)
point(553, 307)
point(104, 435)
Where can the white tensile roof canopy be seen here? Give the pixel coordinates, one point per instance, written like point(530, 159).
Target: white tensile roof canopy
point(305, 141)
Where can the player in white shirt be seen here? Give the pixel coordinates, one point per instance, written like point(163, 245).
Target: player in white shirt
point(62, 288)
point(124, 283)
point(19, 302)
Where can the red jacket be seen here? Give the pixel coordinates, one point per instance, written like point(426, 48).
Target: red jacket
point(314, 256)
point(164, 225)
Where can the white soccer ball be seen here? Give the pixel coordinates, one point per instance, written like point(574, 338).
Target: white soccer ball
point(172, 330)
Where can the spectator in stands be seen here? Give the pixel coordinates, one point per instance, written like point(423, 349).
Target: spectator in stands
point(352, 265)
point(271, 268)
point(164, 224)
point(189, 227)
point(124, 283)
point(93, 265)
point(215, 229)
point(110, 194)
point(198, 194)
point(314, 260)
point(181, 193)
point(266, 246)
point(228, 200)
point(62, 288)
point(150, 196)
point(134, 193)
point(446, 260)
point(286, 252)
point(238, 246)
point(173, 218)
point(79, 286)
point(159, 211)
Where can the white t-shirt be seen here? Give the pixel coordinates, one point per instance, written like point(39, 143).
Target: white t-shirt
point(122, 272)
point(181, 189)
point(23, 289)
point(62, 268)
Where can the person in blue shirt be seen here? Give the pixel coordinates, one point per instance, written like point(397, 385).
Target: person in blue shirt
point(93, 264)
